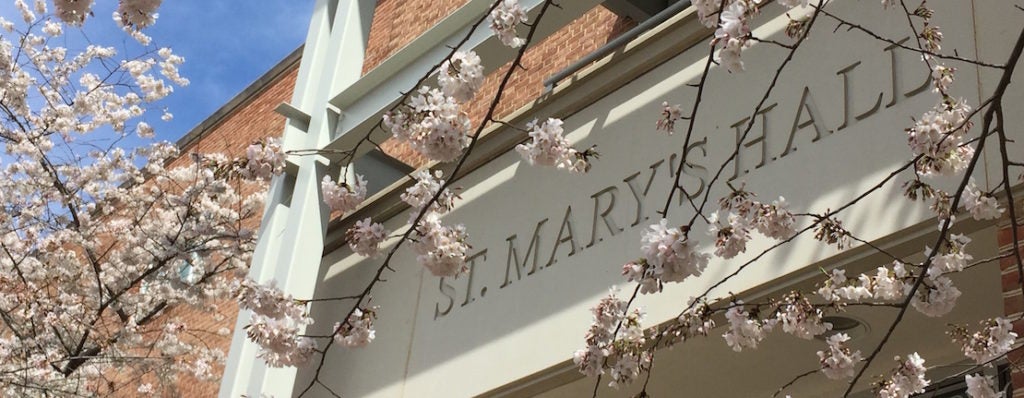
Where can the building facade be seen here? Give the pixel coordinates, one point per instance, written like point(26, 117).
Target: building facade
point(547, 245)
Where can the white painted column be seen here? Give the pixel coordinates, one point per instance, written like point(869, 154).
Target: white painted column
point(295, 221)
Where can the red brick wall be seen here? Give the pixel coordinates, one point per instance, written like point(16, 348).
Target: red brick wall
point(397, 22)
point(1013, 301)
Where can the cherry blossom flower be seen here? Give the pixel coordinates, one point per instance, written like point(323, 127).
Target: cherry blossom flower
point(441, 249)
point(733, 21)
point(888, 284)
point(938, 137)
point(622, 355)
point(276, 323)
point(426, 187)
point(506, 16)
point(800, 318)
point(731, 53)
point(461, 76)
point(637, 271)
point(432, 123)
point(979, 386)
point(695, 320)
point(672, 255)
point(936, 297)
point(995, 338)
point(707, 11)
point(952, 257)
point(981, 205)
point(138, 13)
point(745, 331)
point(731, 238)
point(548, 147)
point(73, 12)
point(342, 196)
point(365, 237)
point(265, 159)
point(774, 220)
point(905, 380)
point(358, 331)
point(839, 361)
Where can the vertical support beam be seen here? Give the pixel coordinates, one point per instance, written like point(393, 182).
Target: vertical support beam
point(292, 235)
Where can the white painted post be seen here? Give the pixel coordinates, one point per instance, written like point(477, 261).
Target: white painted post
point(292, 235)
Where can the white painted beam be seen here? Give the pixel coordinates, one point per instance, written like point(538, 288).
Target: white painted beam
point(295, 222)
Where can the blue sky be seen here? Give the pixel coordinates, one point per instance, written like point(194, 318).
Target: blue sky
point(227, 44)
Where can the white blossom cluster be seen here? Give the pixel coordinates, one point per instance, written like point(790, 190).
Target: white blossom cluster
point(695, 320)
point(938, 137)
point(981, 205)
point(342, 196)
point(906, 380)
point(461, 76)
point(277, 320)
point(639, 272)
point(73, 12)
point(995, 338)
point(979, 386)
point(670, 255)
point(839, 361)
point(936, 297)
point(886, 284)
point(264, 159)
point(620, 354)
point(432, 123)
point(745, 330)
point(365, 237)
point(138, 13)
point(733, 26)
point(952, 258)
point(440, 248)
point(800, 318)
point(504, 18)
point(745, 214)
point(427, 185)
point(548, 147)
point(358, 331)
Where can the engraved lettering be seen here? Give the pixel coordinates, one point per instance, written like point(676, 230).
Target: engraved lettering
point(759, 140)
point(694, 166)
point(894, 77)
point(471, 261)
point(449, 292)
point(847, 98)
point(513, 256)
point(565, 234)
point(806, 103)
point(605, 214)
point(641, 195)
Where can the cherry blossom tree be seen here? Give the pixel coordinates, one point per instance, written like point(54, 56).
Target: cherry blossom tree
point(100, 240)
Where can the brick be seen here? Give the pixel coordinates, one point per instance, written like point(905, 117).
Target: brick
point(1013, 304)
